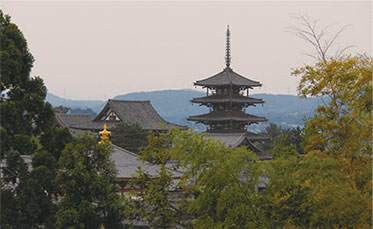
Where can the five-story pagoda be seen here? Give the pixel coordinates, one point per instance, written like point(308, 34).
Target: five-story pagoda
point(228, 96)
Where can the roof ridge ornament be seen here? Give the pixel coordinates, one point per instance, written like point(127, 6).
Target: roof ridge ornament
point(104, 135)
point(228, 49)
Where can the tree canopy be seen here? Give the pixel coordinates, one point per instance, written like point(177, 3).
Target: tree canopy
point(129, 136)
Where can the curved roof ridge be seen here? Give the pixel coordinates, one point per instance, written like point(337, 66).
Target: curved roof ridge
point(136, 101)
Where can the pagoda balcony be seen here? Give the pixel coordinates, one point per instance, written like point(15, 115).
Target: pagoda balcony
point(222, 98)
point(226, 116)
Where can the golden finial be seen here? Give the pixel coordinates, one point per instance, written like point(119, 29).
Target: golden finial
point(104, 135)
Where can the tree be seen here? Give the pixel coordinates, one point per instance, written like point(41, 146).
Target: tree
point(154, 202)
point(89, 197)
point(220, 183)
point(24, 113)
point(280, 137)
point(321, 40)
point(345, 119)
point(218, 188)
point(331, 186)
point(61, 109)
point(24, 117)
point(54, 140)
point(129, 136)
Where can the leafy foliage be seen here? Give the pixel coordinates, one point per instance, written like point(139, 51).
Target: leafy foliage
point(219, 189)
point(89, 197)
point(24, 117)
point(331, 185)
point(129, 136)
point(61, 109)
point(24, 113)
point(280, 137)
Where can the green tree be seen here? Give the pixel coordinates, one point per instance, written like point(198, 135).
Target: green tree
point(89, 198)
point(280, 137)
point(24, 114)
point(343, 125)
point(155, 201)
point(54, 140)
point(24, 117)
point(331, 186)
point(129, 136)
point(218, 188)
point(220, 183)
point(61, 109)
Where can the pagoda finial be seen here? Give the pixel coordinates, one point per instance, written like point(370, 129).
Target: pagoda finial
point(228, 49)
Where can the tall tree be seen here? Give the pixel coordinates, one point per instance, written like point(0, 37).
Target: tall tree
point(24, 113)
point(26, 129)
point(89, 197)
point(331, 186)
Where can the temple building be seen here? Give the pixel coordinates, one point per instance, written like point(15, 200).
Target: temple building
point(115, 112)
point(227, 97)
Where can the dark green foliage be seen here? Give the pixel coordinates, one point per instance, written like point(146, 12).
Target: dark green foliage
point(61, 109)
point(38, 191)
point(129, 136)
point(24, 113)
point(280, 137)
point(89, 197)
point(155, 203)
point(54, 140)
point(83, 111)
point(24, 117)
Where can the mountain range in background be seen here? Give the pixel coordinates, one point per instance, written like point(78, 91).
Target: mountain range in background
point(288, 111)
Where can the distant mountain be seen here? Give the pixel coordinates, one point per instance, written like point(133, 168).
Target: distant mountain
point(95, 105)
point(175, 106)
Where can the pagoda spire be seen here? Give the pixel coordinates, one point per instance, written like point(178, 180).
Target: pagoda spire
point(228, 49)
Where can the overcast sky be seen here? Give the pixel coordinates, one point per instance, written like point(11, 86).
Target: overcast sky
point(97, 50)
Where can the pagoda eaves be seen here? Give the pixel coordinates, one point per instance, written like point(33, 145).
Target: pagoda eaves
point(222, 98)
point(227, 78)
point(227, 116)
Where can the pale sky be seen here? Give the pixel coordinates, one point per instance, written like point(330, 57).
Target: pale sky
point(97, 50)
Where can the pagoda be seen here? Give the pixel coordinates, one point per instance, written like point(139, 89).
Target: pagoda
point(227, 97)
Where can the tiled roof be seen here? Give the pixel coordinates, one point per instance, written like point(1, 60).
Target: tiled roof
point(234, 140)
point(218, 116)
point(228, 139)
point(95, 125)
point(227, 77)
point(130, 112)
point(127, 164)
point(67, 120)
point(224, 98)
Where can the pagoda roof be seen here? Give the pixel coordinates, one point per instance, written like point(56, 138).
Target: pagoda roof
point(227, 77)
point(224, 98)
point(218, 116)
point(129, 111)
